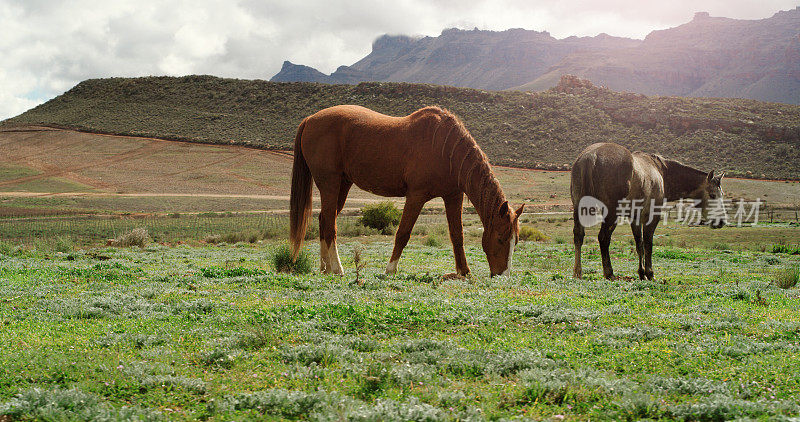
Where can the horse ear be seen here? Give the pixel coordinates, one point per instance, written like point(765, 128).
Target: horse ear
point(504, 209)
point(520, 210)
point(711, 175)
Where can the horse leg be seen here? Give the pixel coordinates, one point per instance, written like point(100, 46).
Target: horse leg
point(649, 229)
point(324, 255)
point(637, 237)
point(344, 189)
point(329, 254)
point(410, 213)
point(578, 233)
point(604, 238)
point(453, 205)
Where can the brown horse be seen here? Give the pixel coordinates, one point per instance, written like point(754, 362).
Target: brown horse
point(613, 175)
point(424, 155)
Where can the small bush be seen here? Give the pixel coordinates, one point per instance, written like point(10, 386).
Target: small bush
point(63, 244)
point(529, 233)
point(373, 380)
point(6, 248)
point(783, 248)
point(381, 216)
point(283, 261)
point(787, 277)
point(721, 246)
point(433, 241)
point(219, 357)
point(57, 244)
point(66, 405)
point(136, 237)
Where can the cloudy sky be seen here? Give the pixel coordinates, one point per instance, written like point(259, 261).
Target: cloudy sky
point(47, 46)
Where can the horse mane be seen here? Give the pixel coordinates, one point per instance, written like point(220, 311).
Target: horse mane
point(679, 178)
point(467, 161)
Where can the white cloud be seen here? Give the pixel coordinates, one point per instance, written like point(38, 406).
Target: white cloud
point(47, 46)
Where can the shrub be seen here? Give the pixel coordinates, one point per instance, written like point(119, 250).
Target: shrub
point(6, 248)
point(65, 405)
point(236, 237)
point(788, 277)
point(381, 216)
point(720, 246)
point(783, 248)
point(433, 241)
point(282, 260)
point(219, 357)
point(56, 244)
point(136, 237)
point(532, 234)
point(63, 244)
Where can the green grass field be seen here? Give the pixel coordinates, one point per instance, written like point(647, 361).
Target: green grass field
point(199, 325)
point(213, 332)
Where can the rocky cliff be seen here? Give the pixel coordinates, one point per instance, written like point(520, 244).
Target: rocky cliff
point(473, 58)
point(706, 57)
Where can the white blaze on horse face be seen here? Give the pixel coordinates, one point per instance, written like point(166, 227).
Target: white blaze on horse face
point(392, 267)
point(510, 255)
point(334, 264)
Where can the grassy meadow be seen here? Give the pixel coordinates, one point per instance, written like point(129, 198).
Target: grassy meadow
point(214, 332)
point(198, 323)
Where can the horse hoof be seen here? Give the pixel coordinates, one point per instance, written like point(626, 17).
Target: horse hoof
point(391, 268)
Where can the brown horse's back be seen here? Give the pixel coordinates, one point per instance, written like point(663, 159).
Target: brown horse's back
point(371, 149)
point(604, 171)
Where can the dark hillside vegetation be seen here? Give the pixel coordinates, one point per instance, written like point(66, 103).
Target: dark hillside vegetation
point(533, 130)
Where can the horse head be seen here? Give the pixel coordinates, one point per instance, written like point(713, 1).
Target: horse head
point(500, 238)
point(710, 196)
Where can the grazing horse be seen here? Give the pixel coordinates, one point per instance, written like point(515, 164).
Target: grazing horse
point(613, 175)
point(424, 155)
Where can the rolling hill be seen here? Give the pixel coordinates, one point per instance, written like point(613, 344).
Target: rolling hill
point(533, 130)
point(706, 57)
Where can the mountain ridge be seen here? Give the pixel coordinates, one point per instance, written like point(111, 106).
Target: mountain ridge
point(705, 57)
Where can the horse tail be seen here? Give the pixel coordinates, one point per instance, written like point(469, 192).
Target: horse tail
point(300, 200)
point(582, 178)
